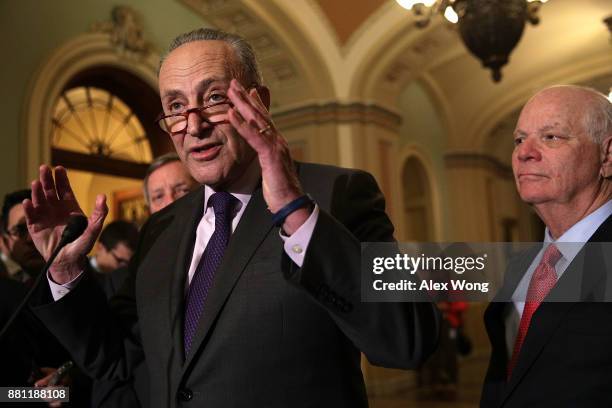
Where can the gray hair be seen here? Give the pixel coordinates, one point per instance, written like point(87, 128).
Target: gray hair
point(156, 164)
point(598, 119)
point(248, 67)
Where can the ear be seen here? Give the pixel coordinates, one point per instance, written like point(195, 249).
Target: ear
point(606, 158)
point(264, 94)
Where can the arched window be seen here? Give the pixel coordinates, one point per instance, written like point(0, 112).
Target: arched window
point(93, 121)
point(417, 202)
point(103, 132)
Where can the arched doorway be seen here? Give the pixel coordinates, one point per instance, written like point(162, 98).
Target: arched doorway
point(103, 132)
point(417, 202)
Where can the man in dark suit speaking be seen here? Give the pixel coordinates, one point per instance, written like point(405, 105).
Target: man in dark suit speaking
point(225, 309)
point(551, 343)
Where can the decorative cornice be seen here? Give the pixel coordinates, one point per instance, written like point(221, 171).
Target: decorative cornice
point(337, 112)
point(126, 32)
point(234, 17)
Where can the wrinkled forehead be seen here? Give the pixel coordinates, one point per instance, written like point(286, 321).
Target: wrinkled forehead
point(199, 60)
point(555, 108)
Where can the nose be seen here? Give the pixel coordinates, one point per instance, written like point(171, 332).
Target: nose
point(168, 199)
point(528, 150)
point(196, 126)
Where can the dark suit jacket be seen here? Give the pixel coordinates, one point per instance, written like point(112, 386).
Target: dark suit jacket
point(132, 393)
point(28, 346)
point(566, 358)
point(272, 334)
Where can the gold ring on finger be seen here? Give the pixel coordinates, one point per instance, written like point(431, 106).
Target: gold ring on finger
point(265, 129)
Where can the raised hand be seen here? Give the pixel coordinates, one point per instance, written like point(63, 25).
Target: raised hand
point(47, 214)
point(280, 184)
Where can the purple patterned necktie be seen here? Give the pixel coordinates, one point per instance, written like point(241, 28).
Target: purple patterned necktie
point(223, 204)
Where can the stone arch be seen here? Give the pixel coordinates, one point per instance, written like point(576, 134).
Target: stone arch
point(414, 156)
point(77, 55)
point(389, 54)
point(582, 72)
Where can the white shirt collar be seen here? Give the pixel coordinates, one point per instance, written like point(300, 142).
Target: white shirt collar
point(242, 188)
point(580, 232)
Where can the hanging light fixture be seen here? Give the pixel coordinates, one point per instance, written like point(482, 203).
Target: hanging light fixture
point(490, 29)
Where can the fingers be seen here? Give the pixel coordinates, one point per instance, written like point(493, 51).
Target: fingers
point(30, 212)
point(96, 220)
point(99, 213)
point(82, 245)
point(64, 190)
point(249, 106)
point(43, 382)
point(48, 184)
point(257, 100)
point(38, 196)
point(247, 131)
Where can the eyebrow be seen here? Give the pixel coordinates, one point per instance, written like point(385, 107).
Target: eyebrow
point(550, 127)
point(546, 128)
point(204, 84)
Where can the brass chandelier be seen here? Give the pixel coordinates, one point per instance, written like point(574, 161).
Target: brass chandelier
point(490, 29)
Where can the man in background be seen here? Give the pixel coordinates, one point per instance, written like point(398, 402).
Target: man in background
point(548, 351)
point(166, 180)
point(115, 246)
point(16, 239)
point(27, 350)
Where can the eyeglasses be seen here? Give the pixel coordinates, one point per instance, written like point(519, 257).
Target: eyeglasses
point(213, 114)
point(18, 231)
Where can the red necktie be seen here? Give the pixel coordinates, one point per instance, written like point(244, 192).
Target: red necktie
point(542, 281)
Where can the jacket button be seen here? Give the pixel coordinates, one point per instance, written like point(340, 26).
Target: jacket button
point(185, 394)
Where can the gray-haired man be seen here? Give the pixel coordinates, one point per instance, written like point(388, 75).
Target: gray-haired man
point(247, 292)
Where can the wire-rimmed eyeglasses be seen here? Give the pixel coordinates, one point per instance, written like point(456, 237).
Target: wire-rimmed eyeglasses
point(214, 113)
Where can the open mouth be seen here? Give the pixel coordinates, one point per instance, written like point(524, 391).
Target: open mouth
point(205, 152)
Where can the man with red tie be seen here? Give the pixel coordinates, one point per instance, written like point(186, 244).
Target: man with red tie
point(547, 349)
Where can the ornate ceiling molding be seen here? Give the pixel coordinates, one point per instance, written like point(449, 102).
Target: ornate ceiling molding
point(277, 67)
point(336, 112)
point(126, 33)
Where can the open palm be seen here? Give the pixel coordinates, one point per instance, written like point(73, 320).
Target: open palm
point(52, 203)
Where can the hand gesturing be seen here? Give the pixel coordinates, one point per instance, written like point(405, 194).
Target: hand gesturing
point(47, 214)
point(280, 183)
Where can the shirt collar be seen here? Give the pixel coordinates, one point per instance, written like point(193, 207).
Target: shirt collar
point(242, 188)
point(580, 232)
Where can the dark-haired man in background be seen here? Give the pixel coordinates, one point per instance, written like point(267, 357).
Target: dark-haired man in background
point(16, 238)
point(27, 350)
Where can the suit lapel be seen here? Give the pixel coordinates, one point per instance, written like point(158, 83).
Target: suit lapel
point(495, 323)
point(185, 235)
point(581, 279)
point(252, 229)
point(546, 319)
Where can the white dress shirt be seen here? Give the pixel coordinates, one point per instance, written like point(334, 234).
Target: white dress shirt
point(569, 244)
point(295, 245)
